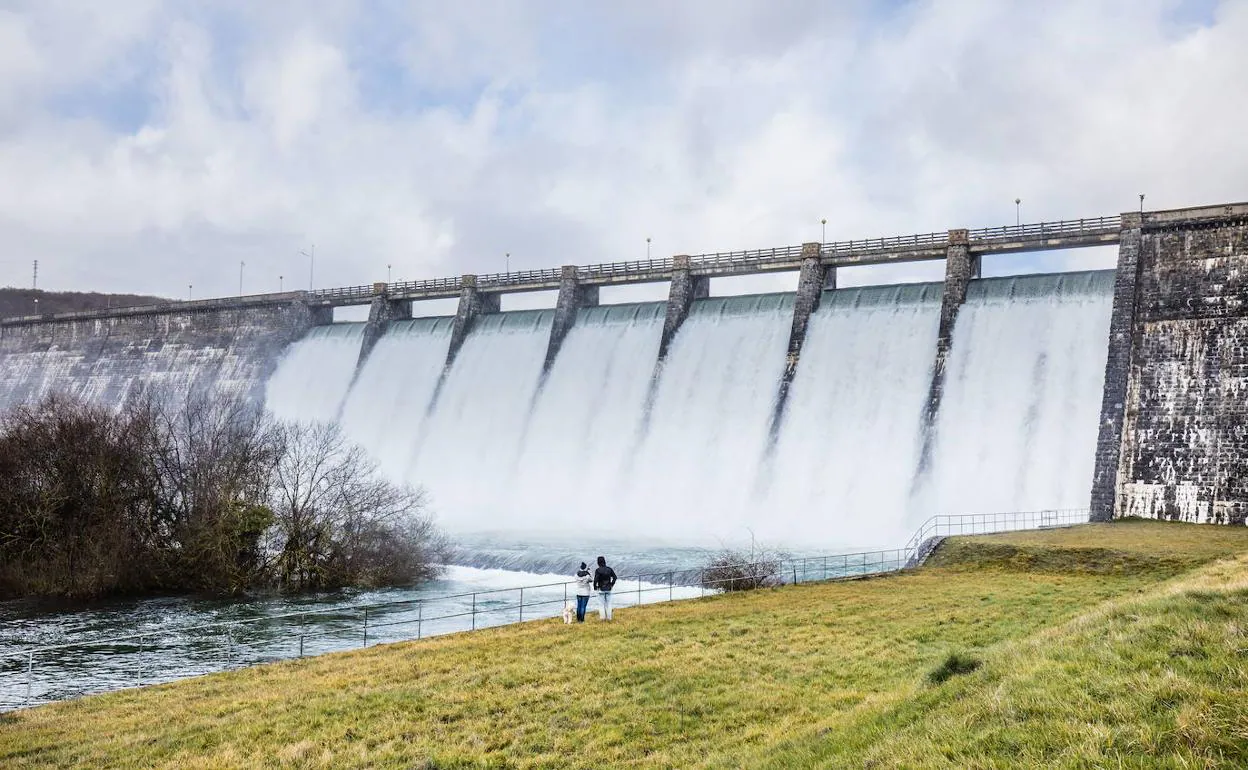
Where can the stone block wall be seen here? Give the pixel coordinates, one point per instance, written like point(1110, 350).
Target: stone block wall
point(1184, 443)
point(232, 349)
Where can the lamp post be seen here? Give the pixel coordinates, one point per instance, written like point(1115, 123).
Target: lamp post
point(1141, 203)
point(189, 287)
point(507, 262)
point(241, 265)
point(647, 247)
point(280, 289)
point(311, 255)
point(388, 274)
point(1017, 211)
point(823, 233)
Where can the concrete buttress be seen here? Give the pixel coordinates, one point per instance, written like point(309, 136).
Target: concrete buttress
point(572, 297)
point(810, 286)
point(960, 267)
point(381, 312)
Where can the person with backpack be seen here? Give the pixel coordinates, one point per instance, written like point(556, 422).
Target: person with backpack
point(604, 581)
point(584, 581)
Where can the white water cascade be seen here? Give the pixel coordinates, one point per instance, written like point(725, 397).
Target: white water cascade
point(846, 456)
point(387, 406)
point(579, 457)
point(312, 378)
point(585, 422)
point(1018, 420)
point(693, 473)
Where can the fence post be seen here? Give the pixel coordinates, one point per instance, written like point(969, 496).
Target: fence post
point(301, 645)
point(420, 616)
point(30, 668)
point(229, 646)
point(639, 590)
point(825, 568)
point(522, 605)
point(670, 585)
point(794, 573)
point(474, 612)
point(138, 671)
point(702, 582)
point(365, 628)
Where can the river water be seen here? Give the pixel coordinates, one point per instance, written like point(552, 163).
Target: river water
point(172, 638)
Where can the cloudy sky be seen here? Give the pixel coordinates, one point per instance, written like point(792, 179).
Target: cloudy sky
point(145, 146)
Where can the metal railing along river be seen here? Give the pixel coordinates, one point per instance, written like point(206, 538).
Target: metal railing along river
point(56, 672)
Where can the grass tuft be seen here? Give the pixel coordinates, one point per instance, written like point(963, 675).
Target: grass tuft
point(954, 664)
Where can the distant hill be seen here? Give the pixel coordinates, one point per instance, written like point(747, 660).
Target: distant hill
point(18, 302)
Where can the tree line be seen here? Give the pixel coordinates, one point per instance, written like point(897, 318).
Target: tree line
point(197, 494)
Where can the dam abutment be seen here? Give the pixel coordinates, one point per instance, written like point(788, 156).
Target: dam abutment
point(1117, 369)
point(1183, 449)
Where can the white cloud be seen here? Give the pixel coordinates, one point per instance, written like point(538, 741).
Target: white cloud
point(148, 146)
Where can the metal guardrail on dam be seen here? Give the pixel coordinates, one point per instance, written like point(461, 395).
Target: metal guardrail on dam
point(1040, 236)
point(35, 675)
point(1075, 233)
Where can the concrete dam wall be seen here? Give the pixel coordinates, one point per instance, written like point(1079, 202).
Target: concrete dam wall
point(103, 356)
point(826, 416)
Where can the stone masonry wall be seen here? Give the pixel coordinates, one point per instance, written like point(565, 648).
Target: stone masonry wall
point(1185, 430)
point(230, 349)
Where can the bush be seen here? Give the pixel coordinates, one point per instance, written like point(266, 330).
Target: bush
point(955, 664)
point(197, 494)
point(731, 570)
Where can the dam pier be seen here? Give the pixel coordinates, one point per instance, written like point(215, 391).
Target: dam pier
point(1168, 437)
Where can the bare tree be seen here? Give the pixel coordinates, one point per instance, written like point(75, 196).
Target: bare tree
point(338, 522)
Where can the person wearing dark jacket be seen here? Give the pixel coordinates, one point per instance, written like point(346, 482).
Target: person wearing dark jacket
point(604, 581)
point(583, 582)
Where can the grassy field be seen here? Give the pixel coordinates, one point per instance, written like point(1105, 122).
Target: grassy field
point(1122, 645)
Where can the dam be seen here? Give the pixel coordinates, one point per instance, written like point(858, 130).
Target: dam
point(827, 415)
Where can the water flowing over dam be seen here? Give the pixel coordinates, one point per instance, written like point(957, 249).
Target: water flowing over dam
point(824, 417)
point(601, 449)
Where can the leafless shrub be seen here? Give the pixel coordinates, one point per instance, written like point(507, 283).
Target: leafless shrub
point(732, 570)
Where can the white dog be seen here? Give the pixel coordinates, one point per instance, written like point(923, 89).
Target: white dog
point(569, 612)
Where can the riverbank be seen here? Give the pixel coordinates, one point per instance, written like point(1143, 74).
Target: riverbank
point(1088, 644)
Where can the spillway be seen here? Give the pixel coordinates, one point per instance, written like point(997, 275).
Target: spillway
point(602, 448)
point(387, 406)
point(1018, 421)
point(693, 472)
point(313, 376)
point(851, 437)
point(465, 451)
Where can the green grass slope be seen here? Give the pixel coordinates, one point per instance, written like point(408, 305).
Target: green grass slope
point(1095, 646)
